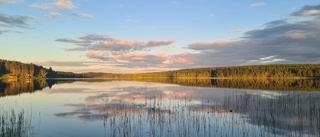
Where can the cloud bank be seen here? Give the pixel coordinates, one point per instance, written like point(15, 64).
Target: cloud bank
point(291, 40)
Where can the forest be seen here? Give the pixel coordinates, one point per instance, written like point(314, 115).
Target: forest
point(18, 70)
point(254, 71)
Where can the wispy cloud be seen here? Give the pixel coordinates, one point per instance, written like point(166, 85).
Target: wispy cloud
point(259, 4)
point(53, 15)
point(8, 31)
point(233, 31)
point(10, 1)
point(130, 19)
point(15, 21)
point(41, 6)
point(75, 41)
point(308, 11)
point(83, 15)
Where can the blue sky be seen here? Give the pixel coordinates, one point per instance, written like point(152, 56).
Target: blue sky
point(152, 35)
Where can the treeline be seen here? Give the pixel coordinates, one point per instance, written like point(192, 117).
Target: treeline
point(280, 70)
point(15, 70)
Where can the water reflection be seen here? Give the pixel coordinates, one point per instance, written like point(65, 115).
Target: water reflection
point(16, 87)
point(129, 108)
point(29, 86)
point(239, 115)
point(288, 112)
point(9, 88)
point(251, 83)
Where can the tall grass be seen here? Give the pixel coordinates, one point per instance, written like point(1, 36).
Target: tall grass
point(15, 124)
point(290, 114)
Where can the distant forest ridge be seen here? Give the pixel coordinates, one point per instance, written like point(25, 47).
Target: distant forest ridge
point(254, 71)
point(18, 70)
point(15, 69)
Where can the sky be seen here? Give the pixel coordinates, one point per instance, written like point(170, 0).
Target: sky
point(126, 36)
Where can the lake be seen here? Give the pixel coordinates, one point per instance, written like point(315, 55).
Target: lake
point(160, 107)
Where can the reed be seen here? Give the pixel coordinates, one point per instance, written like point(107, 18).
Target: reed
point(287, 114)
point(15, 124)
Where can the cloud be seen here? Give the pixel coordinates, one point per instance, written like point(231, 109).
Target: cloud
point(10, 1)
point(275, 23)
point(97, 42)
point(15, 21)
point(234, 31)
point(76, 49)
point(271, 59)
point(8, 31)
point(259, 4)
point(129, 19)
point(307, 11)
point(180, 60)
point(41, 6)
point(139, 59)
point(65, 63)
point(290, 40)
point(65, 4)
point(53, 15)
point(98, 55)
point(83, 15)
point(128, 53)
point(124, 45)
point(4, 31)
point(213, 45)
point(95, 37)
point(296, 35)
point(75, 41)
point(279, 41)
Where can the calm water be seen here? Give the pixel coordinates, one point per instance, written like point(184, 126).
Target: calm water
point(161, 107)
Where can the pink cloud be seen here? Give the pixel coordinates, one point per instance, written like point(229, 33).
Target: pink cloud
point(66, 4)
point(98, 55)
point(234, 31)
point(53, 15)
point(138, 56)
point(96, 42)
